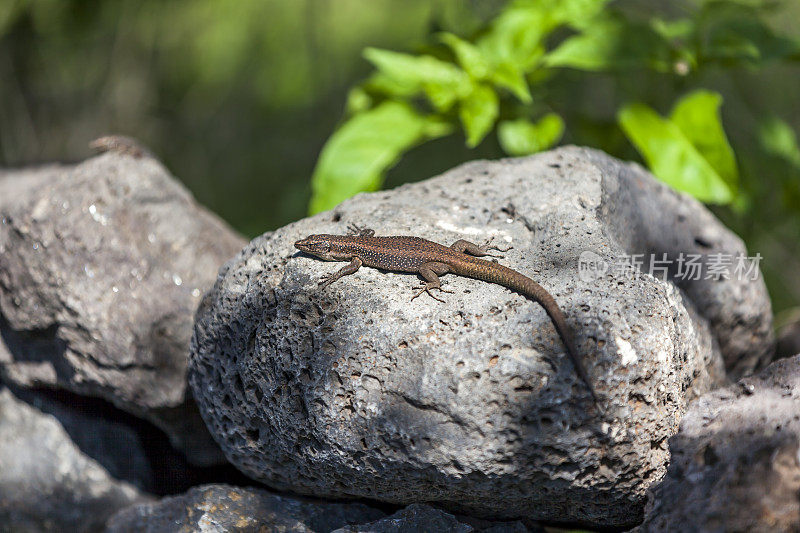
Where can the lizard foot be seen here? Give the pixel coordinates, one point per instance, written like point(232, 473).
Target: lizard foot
point(427, 288)
point(355, 229)
point(489, 246)
point(326, 280)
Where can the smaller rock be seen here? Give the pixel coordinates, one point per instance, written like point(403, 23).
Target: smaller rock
point(102, 265)
point(46, 482)
point(415, 517)
point(736, 459)
point(789, 337)
point(227, 508)
point(420, 517)
point(100, 431)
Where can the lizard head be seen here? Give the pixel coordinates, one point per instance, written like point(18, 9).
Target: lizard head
point(318, 246)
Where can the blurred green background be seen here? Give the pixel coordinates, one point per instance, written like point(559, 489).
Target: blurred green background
point(237, 98)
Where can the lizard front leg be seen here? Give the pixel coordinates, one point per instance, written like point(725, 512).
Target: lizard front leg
point(361, 231)
point(431, 272)
point(346, 270)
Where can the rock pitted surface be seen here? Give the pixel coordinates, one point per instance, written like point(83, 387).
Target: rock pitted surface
point(238, 509)
point(736, 460)
point(46, 483)
point(102, 265)
point(357, 392)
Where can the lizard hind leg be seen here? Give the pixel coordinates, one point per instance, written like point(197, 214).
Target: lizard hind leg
point(431, 272)
point(465, 247)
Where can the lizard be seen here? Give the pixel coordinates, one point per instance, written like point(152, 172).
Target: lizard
point(430, 260)
point(120, 144)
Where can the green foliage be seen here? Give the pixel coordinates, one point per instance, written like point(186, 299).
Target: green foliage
point(365, 147)
point(688, 150)
point(732, 33)
point(487, 79)
point(522, 137)
point(612, 42)
point(478, 111)
point(237, 99)
point(778, 139)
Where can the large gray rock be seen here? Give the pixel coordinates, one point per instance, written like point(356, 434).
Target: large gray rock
point(46, 483)
point(357, 392)
point(102, 265)
point(736, 460)
point(226, 508)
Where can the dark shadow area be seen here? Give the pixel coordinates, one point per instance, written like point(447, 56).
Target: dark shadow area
point(130, 448)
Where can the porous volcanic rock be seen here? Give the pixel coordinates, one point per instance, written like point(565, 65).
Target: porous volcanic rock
point(356, 391)
point(242, 509)
point(736, 459)
point(46, 483)
point(419, 517)
point(102, 265)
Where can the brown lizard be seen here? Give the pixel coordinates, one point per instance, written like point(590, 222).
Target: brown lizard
point(431, 260)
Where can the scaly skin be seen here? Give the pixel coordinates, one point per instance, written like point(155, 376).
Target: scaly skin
point(431, 260)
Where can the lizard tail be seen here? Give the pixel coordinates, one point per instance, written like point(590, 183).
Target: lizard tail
point(511, 279)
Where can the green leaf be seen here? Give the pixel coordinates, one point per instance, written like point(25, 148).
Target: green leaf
point(671, 156)
point(469, 56)
point(576, 13)
point(612, 42)
point(522, 137)
point(510, 77)
point(357, 101)
point(442, 82)
point(358, 154)
point(677, 29)
point(515, 36)
point(697, 115)
point(780, 140)
point(478, 112)
point(383, 84)
point(414, 70)
point(472, 59)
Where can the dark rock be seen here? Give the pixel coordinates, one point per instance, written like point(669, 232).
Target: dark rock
point(129, 448)
point(789, 337)
point(421, 518)
point(355, 391)
point(100, 434)
point(416, 518)
point(102, 265)
point(226, 508)
point(46, 483)
point(736, 459)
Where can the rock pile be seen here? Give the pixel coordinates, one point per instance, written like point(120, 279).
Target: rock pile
point(465, 415)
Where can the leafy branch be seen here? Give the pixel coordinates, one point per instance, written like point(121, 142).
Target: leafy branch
point(484, 83)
